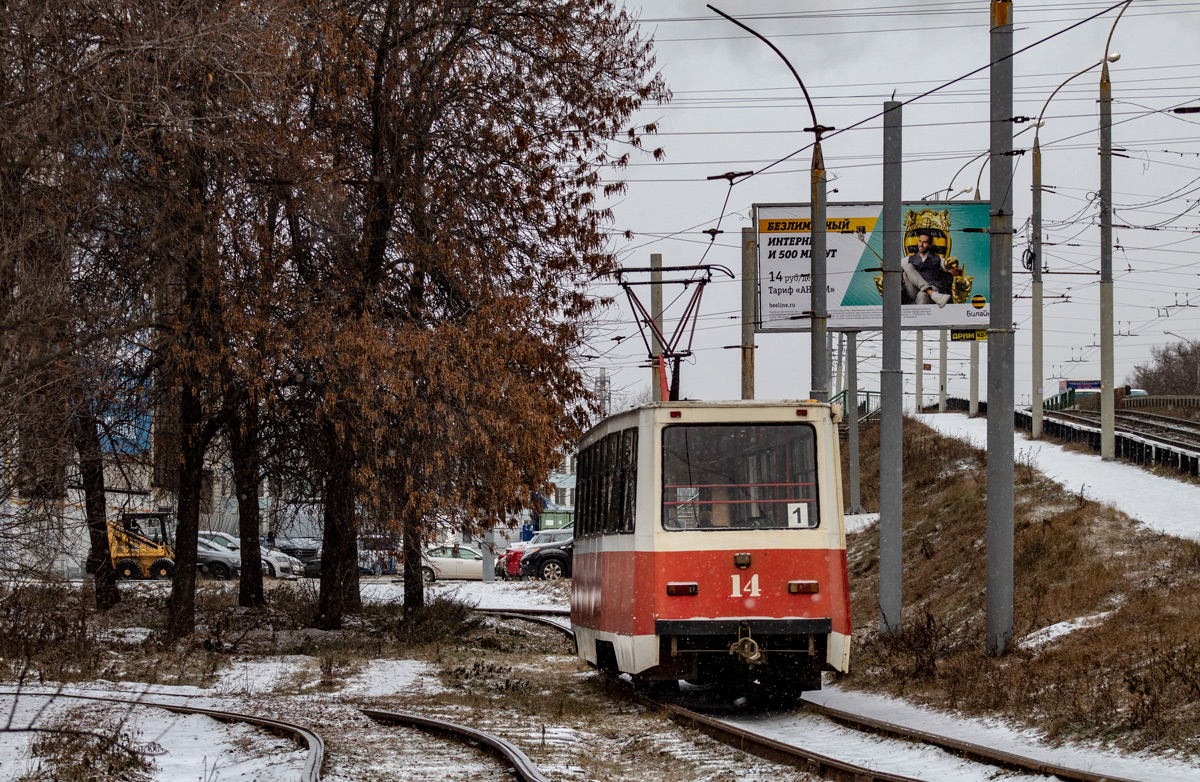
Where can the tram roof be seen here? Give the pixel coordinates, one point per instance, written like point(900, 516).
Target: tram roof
point(730, 404)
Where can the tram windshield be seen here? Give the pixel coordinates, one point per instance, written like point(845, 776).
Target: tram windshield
point(739, 476)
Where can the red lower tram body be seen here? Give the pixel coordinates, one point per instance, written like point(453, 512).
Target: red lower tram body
point(775, 615)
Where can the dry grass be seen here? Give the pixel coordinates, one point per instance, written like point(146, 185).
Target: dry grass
point(1131, 678)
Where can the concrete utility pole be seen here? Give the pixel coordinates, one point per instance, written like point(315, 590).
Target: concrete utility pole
point(973, 407)
point(820, 312)
point(1036, 250)
point(1035, 432)
point(656, 314)
point(851, 414)
point(891, 384)
point(839, 384)
point(749, 289)
point(1000, 497)
point(942, 370)
point(1107, 412)
point(919, 372)
point(602, 392)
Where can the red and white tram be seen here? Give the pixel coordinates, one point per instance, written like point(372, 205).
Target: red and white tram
point(709, 544)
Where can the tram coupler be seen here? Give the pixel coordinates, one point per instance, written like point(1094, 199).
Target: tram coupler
point(746, 647)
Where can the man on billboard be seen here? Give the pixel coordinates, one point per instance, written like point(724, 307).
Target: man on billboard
point(926, 280)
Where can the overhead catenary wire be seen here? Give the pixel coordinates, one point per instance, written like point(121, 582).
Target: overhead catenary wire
point(1085, 218)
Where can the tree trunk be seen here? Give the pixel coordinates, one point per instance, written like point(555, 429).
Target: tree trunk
point(181, 605)
point(414, 584)
point(91, 473)
point(339, 561)
point(244, 445)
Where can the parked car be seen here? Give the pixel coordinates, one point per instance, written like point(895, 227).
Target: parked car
point(275, 563)
point(550, 559)
point(217, 561)
point(512, 554)
point(307, 550)
point(508, 564)
point(454, 561)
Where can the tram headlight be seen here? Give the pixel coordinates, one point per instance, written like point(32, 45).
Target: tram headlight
point(682, 588)
point(803, 587)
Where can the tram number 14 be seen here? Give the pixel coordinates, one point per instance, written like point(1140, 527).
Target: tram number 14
point(750, 589)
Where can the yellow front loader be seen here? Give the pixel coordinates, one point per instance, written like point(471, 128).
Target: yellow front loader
point(140, 545)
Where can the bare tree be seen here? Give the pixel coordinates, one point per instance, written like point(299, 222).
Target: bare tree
point(1172, 369)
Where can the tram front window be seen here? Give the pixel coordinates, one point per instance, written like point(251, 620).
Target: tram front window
point(739, 476)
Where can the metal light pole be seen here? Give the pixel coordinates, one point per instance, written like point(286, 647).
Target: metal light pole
point(1107, 428)
point(1036, 250)
point(817, 284)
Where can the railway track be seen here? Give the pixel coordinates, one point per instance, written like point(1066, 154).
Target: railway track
point(811, 760)
point(1175, 432)
point(513, 758)
point(315, 745)
point(729, 729)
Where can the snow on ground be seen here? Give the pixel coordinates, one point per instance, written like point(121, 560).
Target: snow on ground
point(860, 521)
point(193, 746)
point(494, 594)
point(387, 677)
point(1059, 629)
point(896, 756)
point(1161, 503)
point(987, 733)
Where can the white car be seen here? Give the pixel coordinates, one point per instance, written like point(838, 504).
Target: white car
point(453, 561)
point(276, 563)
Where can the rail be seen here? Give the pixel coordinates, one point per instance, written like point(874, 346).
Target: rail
point(524, 768)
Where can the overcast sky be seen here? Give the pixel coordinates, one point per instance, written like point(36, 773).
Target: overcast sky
point(736, 107)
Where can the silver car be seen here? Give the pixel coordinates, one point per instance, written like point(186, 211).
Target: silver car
point(276, 564)
point(218, 561)
point(453, 561)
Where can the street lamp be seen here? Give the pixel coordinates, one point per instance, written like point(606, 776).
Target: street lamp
point(1036, 250)
point(1195, 347)
point(820, 314)
point(968, 189)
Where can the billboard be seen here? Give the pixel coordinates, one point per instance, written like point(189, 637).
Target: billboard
point(945, 276)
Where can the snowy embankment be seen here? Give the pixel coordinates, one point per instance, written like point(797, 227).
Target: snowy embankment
point(1161, 503)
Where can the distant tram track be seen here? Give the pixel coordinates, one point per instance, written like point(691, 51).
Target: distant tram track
point(1176, 432)
point(806, 759)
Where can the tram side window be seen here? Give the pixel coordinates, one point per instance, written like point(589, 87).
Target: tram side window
point(583, 513)
point(612, 473)
point(607, 485)
point(739, 476)
point(629, 442)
